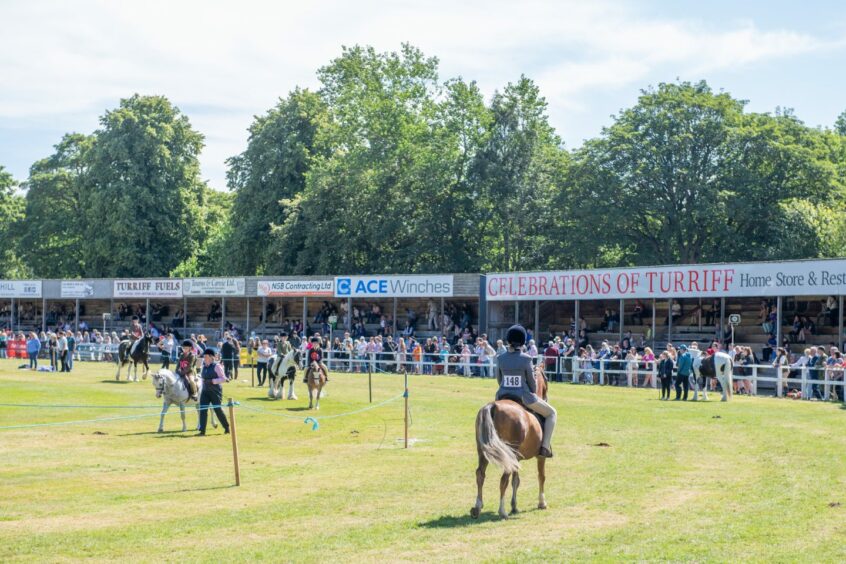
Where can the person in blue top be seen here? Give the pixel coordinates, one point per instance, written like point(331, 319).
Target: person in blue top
point(33, 347)
point(516, 377)
point(684, 366)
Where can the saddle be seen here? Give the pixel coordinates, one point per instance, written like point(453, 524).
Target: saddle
point(519, 401)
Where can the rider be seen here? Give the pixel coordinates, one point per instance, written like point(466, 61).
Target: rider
point(315, 355)
point(185, 367)
point(515, 375)
point(135, 332)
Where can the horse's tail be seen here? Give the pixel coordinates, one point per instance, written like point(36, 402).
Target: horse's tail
point(491, 446)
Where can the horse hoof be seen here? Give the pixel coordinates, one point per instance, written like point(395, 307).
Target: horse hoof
point(542, 505)
point(474, 512)
point(162, 431)
point(504, 516)
point(515, 511)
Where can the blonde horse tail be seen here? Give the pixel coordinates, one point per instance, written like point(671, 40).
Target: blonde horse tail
point(490, 445)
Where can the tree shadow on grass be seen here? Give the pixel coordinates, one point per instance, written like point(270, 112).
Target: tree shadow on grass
point(116, 382)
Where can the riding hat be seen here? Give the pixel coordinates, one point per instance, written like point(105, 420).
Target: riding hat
point(210, 351)
point(516, 335)
point(682, 347)
point(283, 334)
point(188, 343)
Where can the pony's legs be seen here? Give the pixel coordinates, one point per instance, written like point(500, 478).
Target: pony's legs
point(182, 414)
point(480, 482)
point(515, 483)
point(319, 391)
point(146, 370)
point(165, 405)
point(541, 481)
point(117, 376)
point(503, 486)
point(291, 394)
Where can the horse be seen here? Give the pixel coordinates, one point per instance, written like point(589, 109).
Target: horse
point(135, 352)
point(316, 379)
point(505, 433)
point(172, 387)
point(279, 369)
point(718, 365)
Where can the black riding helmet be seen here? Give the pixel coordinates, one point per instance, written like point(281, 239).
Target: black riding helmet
point(188, 343)
point(516, 336)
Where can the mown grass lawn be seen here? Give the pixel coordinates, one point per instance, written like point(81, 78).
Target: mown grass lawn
point(752, 480)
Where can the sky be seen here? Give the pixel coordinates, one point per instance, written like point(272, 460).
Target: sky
point(63, 64)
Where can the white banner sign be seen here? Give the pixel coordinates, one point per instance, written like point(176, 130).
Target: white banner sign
point(272, 288)
point(796, 278)
point(424, 286)
point(20, 288)
point(77, 289)
point(214, 286)
point(162, 288)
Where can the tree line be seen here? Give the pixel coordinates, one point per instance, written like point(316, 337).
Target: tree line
point(387, 168)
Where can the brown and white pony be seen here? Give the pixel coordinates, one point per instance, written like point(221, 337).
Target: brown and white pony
point(316, 379)
point(507, 432)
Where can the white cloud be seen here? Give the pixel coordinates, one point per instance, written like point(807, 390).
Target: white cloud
point(235, 59)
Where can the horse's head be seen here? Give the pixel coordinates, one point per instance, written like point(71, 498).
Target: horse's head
point(296, 357)
point(158, 382)
point(540, 380)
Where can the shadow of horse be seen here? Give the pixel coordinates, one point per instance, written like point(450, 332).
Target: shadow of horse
point(121, 382)
point(453, 521)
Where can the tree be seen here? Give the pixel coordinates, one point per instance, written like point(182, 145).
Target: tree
point(144, 201)
point(517, 171)
point(53, 235)
point(368, 193)
point(216, 254)
point(840, 124)
point(11, 215)
point(272, 169)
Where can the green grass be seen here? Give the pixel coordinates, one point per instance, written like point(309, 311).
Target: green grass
point(751, 480)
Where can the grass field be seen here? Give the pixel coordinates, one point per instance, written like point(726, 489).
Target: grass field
point(752, 480)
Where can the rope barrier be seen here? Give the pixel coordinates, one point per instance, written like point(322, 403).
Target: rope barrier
point(105, 419)
point(315, 421)
point(81, 406)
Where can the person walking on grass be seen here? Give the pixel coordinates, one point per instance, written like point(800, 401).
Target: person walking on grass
point(212, 394)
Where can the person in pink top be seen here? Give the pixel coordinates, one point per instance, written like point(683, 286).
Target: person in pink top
point(648, 360)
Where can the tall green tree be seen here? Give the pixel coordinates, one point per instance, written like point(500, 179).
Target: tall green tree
point(144, 197)
point(52, 238)
point(281, 147)
point(518, 171)
point(11, 216)
point(840, 124)
point(361, 210)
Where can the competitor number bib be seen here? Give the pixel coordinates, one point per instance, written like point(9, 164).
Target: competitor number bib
point(515, 381)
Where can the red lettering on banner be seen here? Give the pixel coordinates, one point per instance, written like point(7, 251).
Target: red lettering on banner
point(533, 285)
point(622, 283)
point(729, 279)
point(664, 282)
point(542, 286)
point(635, 281)
point(651, 276)
point(580, 285)
point(678, 281)
point(521, 285)
point(694, 280)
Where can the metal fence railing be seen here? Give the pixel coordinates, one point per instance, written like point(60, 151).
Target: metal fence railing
point(822, 382)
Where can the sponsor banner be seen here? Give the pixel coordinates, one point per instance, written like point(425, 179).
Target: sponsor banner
point(160, 288)
point(77, 289)
point(214, 286)
point(423, 286)
point(300, 288)
point(20, 288)
point(797, 278)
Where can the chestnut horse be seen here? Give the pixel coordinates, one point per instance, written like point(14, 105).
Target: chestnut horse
point(507, 432)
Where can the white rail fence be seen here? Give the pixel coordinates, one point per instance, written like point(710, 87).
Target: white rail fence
point(823, 382)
